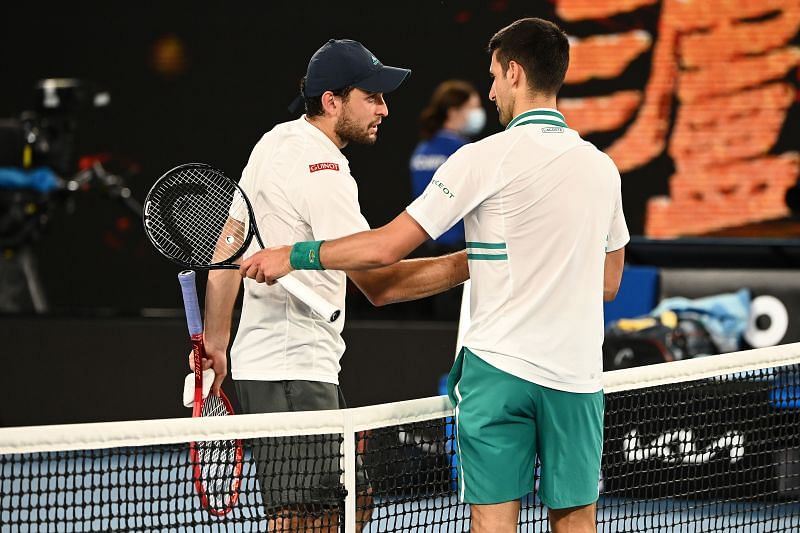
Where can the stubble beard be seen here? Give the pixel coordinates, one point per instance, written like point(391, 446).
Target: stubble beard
point(350, 131)
point(504, 112)
point(505, 115)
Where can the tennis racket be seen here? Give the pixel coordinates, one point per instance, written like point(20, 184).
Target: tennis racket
point(216, 465)
point(200, 219)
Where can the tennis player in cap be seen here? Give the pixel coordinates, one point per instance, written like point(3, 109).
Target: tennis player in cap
point(284, 357)
point(545, 238)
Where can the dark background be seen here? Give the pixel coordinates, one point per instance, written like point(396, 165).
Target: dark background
point(68, 370)
point(243, 62)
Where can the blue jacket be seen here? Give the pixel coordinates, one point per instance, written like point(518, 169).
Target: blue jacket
point(427, 157)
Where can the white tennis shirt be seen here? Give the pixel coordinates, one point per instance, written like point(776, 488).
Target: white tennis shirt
point(541, 208)
point(301, 189)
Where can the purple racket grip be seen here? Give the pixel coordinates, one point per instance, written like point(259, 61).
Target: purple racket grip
point(193, 317)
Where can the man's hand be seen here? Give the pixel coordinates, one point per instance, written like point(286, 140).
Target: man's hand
point(216, 359)
point(267, 265)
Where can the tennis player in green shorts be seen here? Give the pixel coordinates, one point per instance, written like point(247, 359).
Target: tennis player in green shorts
point(545, 246)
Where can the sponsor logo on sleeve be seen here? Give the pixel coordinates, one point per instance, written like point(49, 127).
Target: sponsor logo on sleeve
point(443, 188)
point(323, 166)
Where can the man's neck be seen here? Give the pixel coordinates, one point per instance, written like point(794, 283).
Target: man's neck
point(526, 104)
point(327, 126)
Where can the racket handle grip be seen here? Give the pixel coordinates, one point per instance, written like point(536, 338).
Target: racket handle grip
point(193, 317)
point(316, 302)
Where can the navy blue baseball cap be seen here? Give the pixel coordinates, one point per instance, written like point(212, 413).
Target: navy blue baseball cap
point(341, 63)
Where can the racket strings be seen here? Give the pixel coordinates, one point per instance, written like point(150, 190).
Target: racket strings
point(217, 461)
point(197, 216)
point(197, 220)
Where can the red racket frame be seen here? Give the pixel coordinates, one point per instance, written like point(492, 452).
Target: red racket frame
point(198, 352)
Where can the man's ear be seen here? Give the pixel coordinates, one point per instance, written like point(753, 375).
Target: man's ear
point(514, 72)
point(330, 104)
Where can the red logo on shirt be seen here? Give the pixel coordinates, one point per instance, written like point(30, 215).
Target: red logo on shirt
point(323, 166)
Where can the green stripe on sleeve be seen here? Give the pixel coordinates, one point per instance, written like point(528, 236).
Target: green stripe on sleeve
point(486, 245)
point(488, 257)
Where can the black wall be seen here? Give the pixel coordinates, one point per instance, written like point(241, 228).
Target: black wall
point(62, 370)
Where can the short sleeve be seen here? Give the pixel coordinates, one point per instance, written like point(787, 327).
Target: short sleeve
point(457, 187)
point(238, 208)
point(618, 235)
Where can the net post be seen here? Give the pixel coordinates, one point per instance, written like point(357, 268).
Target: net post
point(349, 458)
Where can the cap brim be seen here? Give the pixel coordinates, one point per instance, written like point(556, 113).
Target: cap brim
point(385, 80)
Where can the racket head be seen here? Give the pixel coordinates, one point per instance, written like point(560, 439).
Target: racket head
point(217, 465)
point(197, 217)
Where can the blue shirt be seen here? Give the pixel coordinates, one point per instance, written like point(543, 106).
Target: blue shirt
point(428, 156)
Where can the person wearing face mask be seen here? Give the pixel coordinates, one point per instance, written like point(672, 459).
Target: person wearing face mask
point(453, 116)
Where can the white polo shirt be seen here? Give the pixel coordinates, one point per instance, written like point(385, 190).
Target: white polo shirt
point(301, 189)
point(541, 208)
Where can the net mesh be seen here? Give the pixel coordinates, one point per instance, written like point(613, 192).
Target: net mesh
point(710, 445)
point(217, 464)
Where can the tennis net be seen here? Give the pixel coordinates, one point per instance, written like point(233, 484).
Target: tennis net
point(709, 444)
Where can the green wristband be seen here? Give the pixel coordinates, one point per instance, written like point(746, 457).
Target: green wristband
point(305, 256)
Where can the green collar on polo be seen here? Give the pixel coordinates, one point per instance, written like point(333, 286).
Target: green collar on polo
point(539, 116)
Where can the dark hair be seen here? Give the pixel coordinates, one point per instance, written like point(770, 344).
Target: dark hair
point(448, 95)
point(313, 104)
point(540, 47)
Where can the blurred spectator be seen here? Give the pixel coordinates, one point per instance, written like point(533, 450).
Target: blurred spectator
point(453, 115)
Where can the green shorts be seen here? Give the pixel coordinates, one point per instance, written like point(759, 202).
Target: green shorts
point(503, 422)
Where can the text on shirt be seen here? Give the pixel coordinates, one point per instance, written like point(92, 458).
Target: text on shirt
point(323, 166)
point(443, 187)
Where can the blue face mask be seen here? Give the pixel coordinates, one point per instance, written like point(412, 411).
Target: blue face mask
point(476, 120)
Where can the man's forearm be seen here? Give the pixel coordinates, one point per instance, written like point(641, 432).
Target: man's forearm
point(413, 279)
point(612, 273)
point(361, 251)
point(221, 292)
point(375, 248)
point(419, 278)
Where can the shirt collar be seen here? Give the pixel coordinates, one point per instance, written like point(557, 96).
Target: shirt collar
point(540, 115)
point(317, 133)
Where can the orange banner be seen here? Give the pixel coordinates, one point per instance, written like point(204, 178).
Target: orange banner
point(717, 97)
